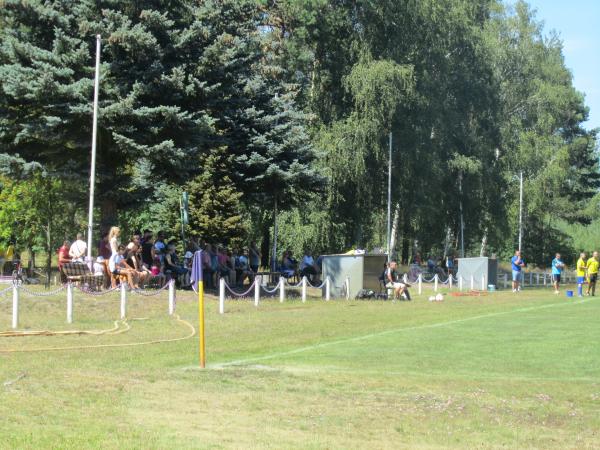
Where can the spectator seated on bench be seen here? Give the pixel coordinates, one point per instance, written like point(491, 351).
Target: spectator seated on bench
point(118, 268)
point(289, 266)
point(79, 273)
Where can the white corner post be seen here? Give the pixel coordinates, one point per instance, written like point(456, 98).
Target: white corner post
point(15, 306)
point(171, 297)
point(221, 295)
point(460, 283)
point(304, 289)
point(450, 281)
point(435, 283)
point(69, 302)
point(420, 283)
point(123, 300)
point(472, 283)
point(93, 159)
point(482, 282)
point(257, 290)
point(327, 289)
point(281, 289)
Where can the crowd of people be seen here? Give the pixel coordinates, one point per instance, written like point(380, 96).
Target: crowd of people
point(147, 257)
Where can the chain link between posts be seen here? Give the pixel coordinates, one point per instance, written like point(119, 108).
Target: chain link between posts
point(241, 294)
point(41, 294)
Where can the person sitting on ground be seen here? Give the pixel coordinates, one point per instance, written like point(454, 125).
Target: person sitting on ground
point(63, 258)
point(78, 249)
point(393, 281)
point(288, 264)
point(308, 267)
point(118, 266)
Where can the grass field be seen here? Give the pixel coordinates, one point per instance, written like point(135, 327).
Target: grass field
point(498, 371)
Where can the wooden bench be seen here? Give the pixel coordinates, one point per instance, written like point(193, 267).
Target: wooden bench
point(80, 273)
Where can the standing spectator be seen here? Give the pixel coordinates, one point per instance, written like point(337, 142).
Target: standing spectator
point(450, 264)
point(207, 266)
point(517, 263)
point(557, 267)
point(78, 249)
point(113, 239)
point(63, 258)
point(148, 253)
point(255, 256)
point(592, 273)
point(308, 268)
point(104, 246)
point(431, 265)
point(581, 267)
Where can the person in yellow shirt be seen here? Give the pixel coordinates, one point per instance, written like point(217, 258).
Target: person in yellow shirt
point(581, 268)
point(592, 273)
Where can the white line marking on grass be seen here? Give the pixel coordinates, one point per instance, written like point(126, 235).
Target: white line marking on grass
point(386, 332)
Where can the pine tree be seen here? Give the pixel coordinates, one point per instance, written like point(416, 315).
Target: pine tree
point(215, 205)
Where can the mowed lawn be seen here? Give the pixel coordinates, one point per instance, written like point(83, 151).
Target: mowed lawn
point(497, 371)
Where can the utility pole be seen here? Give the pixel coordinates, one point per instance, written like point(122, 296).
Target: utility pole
point(520, 210)
point(93, 162)
point(389, 203)
point(462, 222)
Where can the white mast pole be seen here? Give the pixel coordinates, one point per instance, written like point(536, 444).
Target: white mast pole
point(520, 210)
point(94, 139)
point(389, 203)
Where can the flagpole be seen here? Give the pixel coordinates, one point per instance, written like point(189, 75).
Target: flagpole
point(389, 203)
point(94, 140)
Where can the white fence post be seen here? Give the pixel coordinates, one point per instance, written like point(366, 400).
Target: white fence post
point(123, 300)
point(460, 283)
point(347, 283)
point(69, 302)
point(257, 280)
point(544, 279)
point(172, 297)
point(530, 278)
point(483, 282)
point(449, 280)
point(435, 283)
point(304, 289)
point(327, 289)
point(221, 295)
point(281, 289)
point(420, 283)
point(505, 281)
point(537, 281)
point(472, 283)
point(15, 306)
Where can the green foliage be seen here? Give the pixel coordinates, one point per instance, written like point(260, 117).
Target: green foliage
point(215, 205)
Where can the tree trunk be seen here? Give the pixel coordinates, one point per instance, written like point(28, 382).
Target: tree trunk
point(108, 212)
point(483, 242)
point(274, 255)
point(394, 233)
point(48, 254)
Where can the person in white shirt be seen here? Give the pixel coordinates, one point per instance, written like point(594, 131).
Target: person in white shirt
point(308, 268)
point(78, 249)
point(99, 266)
point(118, 266)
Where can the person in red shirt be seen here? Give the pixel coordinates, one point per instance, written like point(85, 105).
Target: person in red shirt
point(63, 258)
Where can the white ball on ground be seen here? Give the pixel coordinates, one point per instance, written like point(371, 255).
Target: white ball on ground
point(439, 298)
point(432, 298)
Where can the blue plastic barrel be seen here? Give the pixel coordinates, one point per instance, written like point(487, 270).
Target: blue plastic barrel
point(569, 293)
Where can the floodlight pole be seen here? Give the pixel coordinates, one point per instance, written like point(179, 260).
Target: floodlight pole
point(389, 203)
point(462, 221)
point(94, 139)
point(520, 209)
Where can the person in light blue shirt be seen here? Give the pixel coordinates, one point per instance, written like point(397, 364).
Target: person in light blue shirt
point(517, 263)
point(557, 267)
